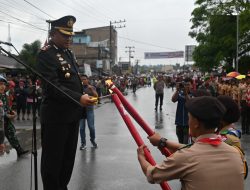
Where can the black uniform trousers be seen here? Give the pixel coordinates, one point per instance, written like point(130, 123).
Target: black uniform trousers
point(157, 97)
point(59, 143)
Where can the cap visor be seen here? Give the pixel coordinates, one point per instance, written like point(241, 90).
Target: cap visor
point(66, 32)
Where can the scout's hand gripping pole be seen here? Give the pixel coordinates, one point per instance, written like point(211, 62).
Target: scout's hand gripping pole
point(164, 185)
point(135, 114)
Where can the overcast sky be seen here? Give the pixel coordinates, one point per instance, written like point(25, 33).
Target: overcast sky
point(151, 25)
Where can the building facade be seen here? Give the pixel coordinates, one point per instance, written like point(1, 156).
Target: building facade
point(96, 47)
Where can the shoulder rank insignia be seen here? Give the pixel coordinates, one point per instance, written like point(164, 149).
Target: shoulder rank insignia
point(44, 48)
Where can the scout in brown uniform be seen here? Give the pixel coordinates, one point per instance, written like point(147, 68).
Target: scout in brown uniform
point(227, 88)
point(243, 105)
point(202, 165)
point(227, 130)
point(220, 91)
point(235, 92)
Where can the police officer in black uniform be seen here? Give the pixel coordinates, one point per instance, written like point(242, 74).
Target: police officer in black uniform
point(60, 115)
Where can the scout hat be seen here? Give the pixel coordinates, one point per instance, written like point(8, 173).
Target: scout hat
point(232, 114)
point(206, 108)
point(64, 24)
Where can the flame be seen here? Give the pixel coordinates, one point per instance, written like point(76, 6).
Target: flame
point(109, 82)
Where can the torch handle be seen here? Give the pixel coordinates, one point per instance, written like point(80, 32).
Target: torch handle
point(136, 135)
point(137, 117)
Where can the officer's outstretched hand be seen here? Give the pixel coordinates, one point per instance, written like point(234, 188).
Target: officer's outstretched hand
point(85, 100)
point(155, 139)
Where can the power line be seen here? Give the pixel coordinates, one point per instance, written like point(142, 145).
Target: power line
point(22, 21)
point(80, 11)
point(146, 43)
point(21, 10)
point(93, 7)
point(105, 8)
point(18, 26)
point(38, 9)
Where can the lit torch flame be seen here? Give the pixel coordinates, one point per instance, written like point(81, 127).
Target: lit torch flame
point(109, 83)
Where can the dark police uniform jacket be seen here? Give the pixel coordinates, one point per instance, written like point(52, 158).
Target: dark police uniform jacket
point(59, 66)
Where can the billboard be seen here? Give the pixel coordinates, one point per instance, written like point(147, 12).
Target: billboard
point(163, 55)
point(87, 70)
point(99, 64)
point(124, 65)
point(189, 49)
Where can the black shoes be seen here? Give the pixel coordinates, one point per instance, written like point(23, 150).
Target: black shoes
point(94, 144)
point(83, 146)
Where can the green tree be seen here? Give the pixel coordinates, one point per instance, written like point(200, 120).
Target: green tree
point(214, 28)
point(29, 53)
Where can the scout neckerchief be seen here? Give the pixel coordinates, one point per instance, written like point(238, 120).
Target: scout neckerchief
point(231, 131)
point(214, 141)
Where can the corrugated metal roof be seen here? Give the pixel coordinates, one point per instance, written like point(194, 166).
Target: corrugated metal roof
point(9, 63)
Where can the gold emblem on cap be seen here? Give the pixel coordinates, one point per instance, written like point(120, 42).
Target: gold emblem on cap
point(70, 23)
point(67, 75)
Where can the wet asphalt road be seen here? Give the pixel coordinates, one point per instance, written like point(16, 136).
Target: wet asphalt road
point(114, 164)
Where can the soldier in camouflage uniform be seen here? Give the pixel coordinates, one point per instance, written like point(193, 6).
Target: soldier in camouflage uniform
point(2, 146)
point(8, 114)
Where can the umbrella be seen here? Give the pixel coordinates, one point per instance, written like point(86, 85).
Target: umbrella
point(233, 74)
point(241, 76)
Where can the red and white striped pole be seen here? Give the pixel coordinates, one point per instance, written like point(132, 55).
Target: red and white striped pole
point(136, 135)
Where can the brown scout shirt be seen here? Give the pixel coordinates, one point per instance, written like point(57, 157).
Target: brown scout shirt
point(202, 167)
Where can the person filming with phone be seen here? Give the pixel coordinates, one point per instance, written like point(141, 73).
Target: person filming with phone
point(181, 96)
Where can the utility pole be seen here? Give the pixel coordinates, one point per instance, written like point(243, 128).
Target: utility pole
point(112, 26)
point(9, 38)
point(99, 60)
point(237, 42)
point(136, 65)
point(129, 54)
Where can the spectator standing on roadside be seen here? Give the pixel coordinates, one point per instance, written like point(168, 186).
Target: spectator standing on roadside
point(2, 145)
point(159, 92)
point(89, 117)
point(181, 96)
point(21, 96)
